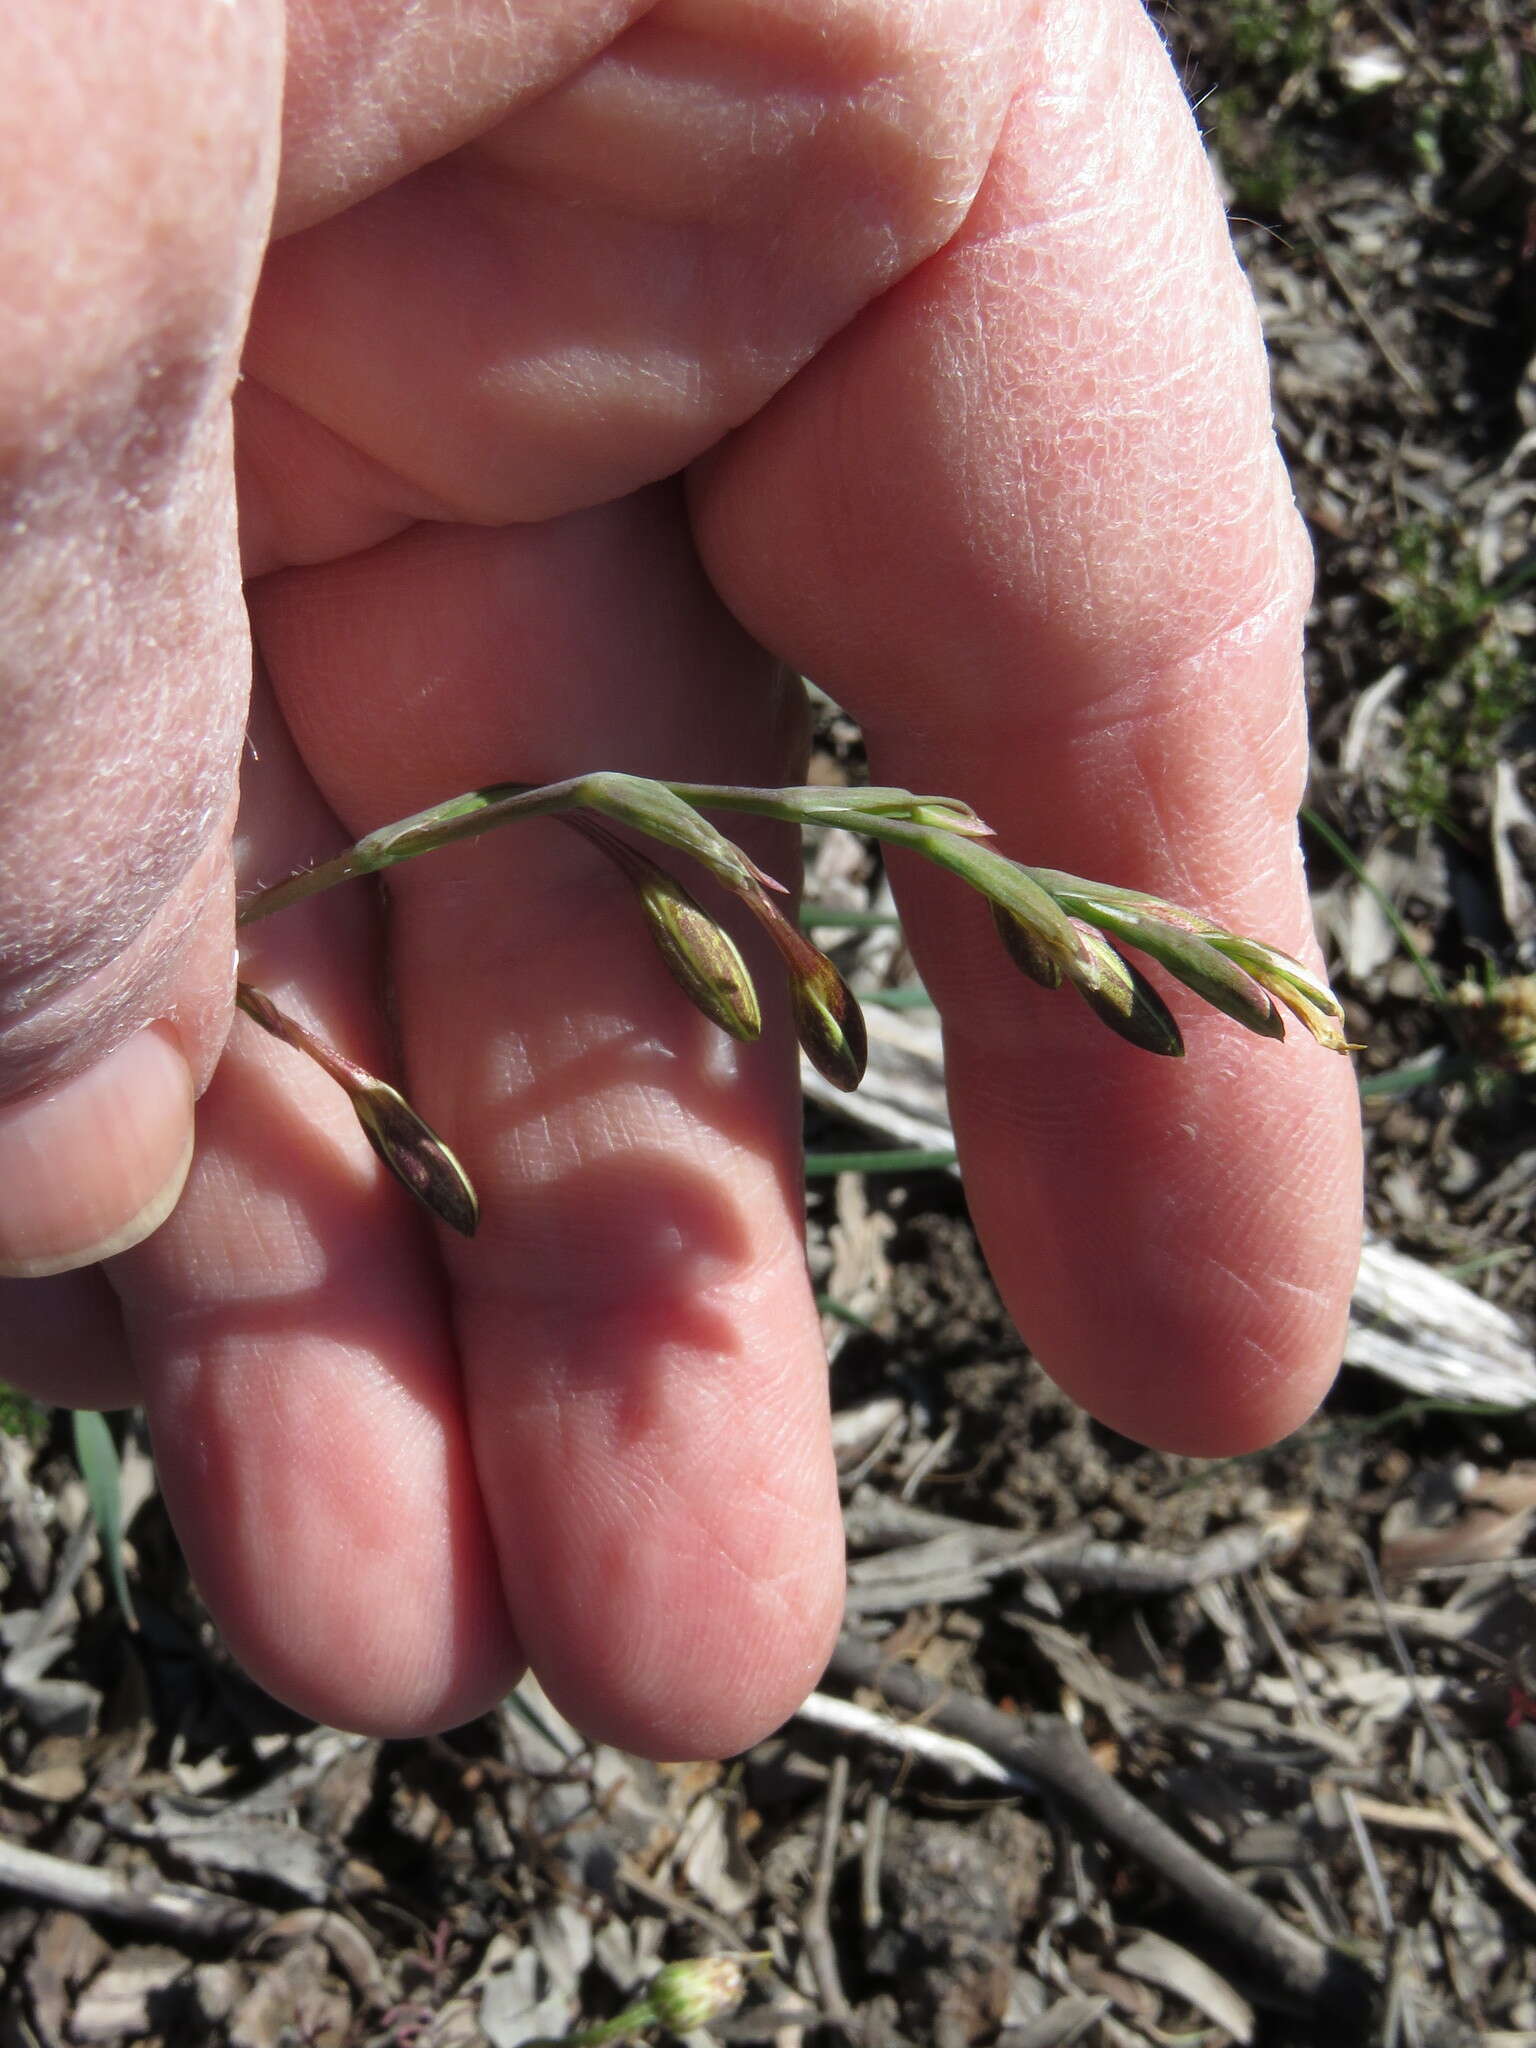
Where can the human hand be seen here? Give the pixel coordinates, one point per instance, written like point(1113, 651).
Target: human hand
point(996, 470)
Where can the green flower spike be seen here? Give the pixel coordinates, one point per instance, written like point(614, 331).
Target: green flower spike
point(1056, 927)
point(1180, 942)
point(1243, 978)
point(700, 954)
point(406, 1142)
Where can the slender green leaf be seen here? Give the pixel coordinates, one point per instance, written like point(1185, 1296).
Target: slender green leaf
point(102, 1472)
point(1434, 987)
point(813, 915)
point(896, 1159)
point(896, 998)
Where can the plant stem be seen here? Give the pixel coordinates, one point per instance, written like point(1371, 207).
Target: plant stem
point(463, 817)
point(661, 809)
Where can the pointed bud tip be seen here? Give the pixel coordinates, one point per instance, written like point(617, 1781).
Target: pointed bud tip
point(1305, 994)
point(828, 1021)
point(830, 1027)
point(949, 814)
point(417, 1156)
point(1121, 997)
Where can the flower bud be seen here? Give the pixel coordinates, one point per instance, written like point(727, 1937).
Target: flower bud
point(702, 959)
point(691, 1994)
point(850, 806)
point(828, 1021)
point(1120, 997)
point(406, 1142)
point(660, 813)
point(1303, 993)
point(1183, 943)
point(1026, 949)
point(416, 1155)
point(700, 954)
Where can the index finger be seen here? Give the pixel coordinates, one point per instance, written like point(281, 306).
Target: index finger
point(1027, 519)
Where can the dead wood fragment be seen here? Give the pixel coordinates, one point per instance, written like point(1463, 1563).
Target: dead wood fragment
point(1159, 1961)
point(1449, 1820)
point(816, 1921)
point(923, 1555)
point(1298, 1971)
point(119, 2002)
point(1068, 2020)
point(164, 1908)
point(963, 1760)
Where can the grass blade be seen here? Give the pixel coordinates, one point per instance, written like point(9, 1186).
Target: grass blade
point(96, 1454)
point(896, 1159)
point(1434, 987)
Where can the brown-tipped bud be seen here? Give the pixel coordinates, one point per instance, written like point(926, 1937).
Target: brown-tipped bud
point(700, 954)
point(702, 958)
point(1026, 949)
point(406, 1142)
point(1120, 997)
point(415, 1155)
point(1306, 995)
point(828, 1022)
point(687, 1995)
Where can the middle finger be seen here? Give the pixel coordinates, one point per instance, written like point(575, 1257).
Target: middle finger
point(643, 1366)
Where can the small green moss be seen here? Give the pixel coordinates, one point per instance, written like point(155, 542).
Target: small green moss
point(1267, 62)
point(1265, 164)
point(1477, 679)
point(1284, 36)
point(21, 1416)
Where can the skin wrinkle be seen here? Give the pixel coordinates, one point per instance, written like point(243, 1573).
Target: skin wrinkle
point(133, 272)
point(567, 1336)
point(88, 1015)
point(363, 106)
point(745, 322)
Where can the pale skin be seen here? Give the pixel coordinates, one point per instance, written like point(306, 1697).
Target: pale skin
point(604, 365)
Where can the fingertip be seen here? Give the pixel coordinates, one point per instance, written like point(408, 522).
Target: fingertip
point(95, 1164)
point(1198, 1305)
point(714, 1677)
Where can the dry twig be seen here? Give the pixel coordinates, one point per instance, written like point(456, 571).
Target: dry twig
point(1297, 1970)
point(180, 1910)
point(816, 1920)
point(1450, 1821)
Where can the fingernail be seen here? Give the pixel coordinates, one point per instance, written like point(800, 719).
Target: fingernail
point(93, 1165)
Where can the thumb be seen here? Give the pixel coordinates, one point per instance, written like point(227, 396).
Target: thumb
point(133, 203)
